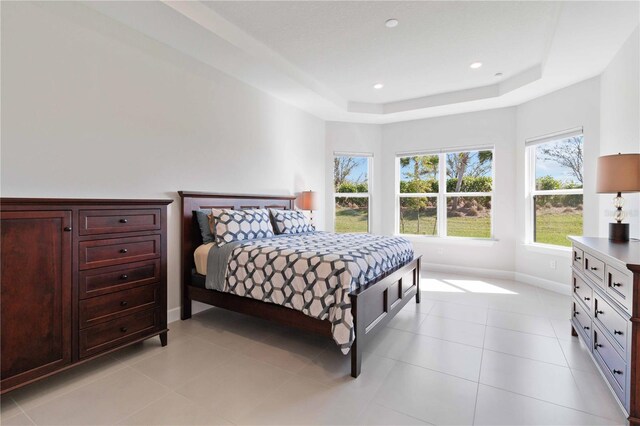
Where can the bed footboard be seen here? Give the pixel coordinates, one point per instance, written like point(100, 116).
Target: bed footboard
point(374, 305)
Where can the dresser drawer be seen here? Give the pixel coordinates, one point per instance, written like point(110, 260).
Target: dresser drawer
point(94, 222)
point(612, 322)
point(578, 257)
point(582, 291)
point(594, 268)
point(95, 282)
point(583, 320)
point(114, 305)
point(610, 361)
point(117, 332)
point(619, 287)
point(98, 253)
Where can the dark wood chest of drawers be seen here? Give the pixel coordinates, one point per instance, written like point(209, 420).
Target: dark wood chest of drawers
point(79, 278)
point(606, 313)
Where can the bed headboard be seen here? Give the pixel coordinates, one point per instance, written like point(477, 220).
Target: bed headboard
point(191, 237)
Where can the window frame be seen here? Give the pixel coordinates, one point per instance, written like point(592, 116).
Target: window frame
point(368, 194)
point(442, 195)
point(530, 185)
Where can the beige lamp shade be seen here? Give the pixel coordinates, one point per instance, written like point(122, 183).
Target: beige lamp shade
point(618, 173)
point(308, 200)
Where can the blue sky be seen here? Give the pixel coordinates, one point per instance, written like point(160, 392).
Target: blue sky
point(360, 171)
point(553, 169)
point(472, 164)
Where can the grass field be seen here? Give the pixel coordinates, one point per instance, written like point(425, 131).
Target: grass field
point(552, 227)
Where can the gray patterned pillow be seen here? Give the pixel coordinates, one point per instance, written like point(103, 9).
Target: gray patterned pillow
point(235, 225)
point(290, 222)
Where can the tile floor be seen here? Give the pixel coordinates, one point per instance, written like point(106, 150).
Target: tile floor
point(475, 351)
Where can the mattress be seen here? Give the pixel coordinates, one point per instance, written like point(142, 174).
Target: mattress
point(200, 257)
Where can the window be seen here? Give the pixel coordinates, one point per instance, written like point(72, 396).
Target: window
point(351, 186)
point(555, 188)
point(446, 194)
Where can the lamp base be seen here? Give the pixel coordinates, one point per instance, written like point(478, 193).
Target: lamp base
point(619, 232)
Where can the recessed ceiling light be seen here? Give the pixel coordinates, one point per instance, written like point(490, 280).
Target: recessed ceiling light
point(390, 23)
point(498, 74)
point(476, 65)
point(378, 86)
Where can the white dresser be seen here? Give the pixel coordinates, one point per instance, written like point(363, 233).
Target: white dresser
point(606, 312)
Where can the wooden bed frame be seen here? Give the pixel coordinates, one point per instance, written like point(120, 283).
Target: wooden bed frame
point(373, 305)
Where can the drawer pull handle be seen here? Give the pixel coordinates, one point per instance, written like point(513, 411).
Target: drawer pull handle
point(599, 312)
point(576, 313)
point(124, 329)
point(617, 371)
point(578, 258)
point(123, 250)
point(587, 298)
point(598, 345)
point(593, 268)
point(586, 327)
point(124, 303)
point(124, 276)
point(123, 220)
point(67, 229)
point(577, 286)
point(617, 284)
point(617, 332)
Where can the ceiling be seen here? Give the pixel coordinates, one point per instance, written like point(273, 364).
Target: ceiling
point(325, 57)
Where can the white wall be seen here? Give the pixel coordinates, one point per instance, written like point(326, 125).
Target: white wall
point(490, 128)
point(620, 123)
point(93, 109)
point(574, 106)
point(357, 139)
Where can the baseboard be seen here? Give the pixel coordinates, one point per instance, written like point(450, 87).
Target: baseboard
point(543, 283)
point(500, 274)
point(174, 314)
point(466, 270)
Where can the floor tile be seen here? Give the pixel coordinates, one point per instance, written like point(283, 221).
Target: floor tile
point(8, 407)
point(540, 380)
point(49, 388)
point(174, 409)
point(428, 395)
point(235, 387)
point(520, 322)
point(19, 419)
point(105, 401)
point(181, 361)
point(376, 414)
point(474, 314)
point(540, 348)
point(597, 397)
point(451, 330)
point(443, 356)
point(289, 350)
point(562, 328)
point(499, 407)
point(577, 355)
point(408, 319)
point(390, 343)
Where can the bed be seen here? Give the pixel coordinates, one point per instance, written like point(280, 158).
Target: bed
point(386, 274)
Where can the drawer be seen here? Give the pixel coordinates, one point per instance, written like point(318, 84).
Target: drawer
point(610, 361)
point(98, 253)
point(117, 332)
point(619, 287)
point(583, 320)
point(578, 256)
point(582, 291)
point(594, 268)
point(612, 322)
point(95, 282)
point(94, 222)
point(114, 305)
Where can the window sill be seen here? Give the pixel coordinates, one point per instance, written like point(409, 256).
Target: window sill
point(485, 242)
point(547, 249)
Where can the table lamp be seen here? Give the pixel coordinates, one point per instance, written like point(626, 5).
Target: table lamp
point(617, 174)
point(308, 202)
